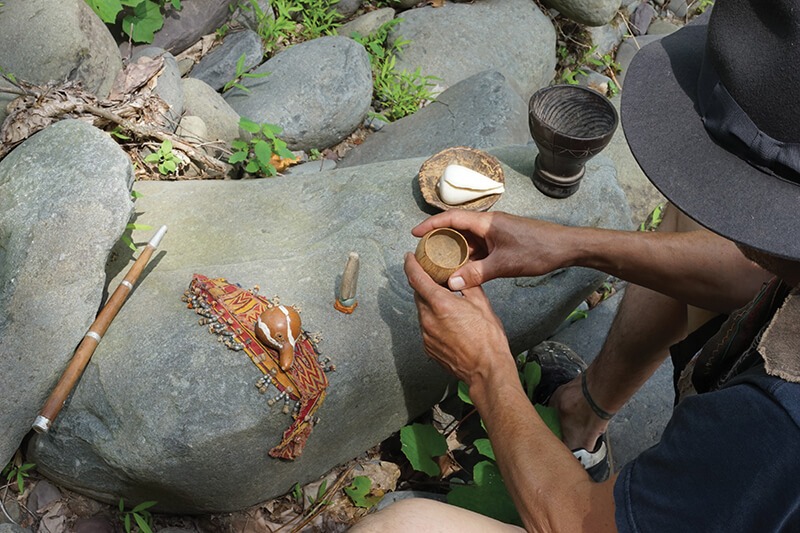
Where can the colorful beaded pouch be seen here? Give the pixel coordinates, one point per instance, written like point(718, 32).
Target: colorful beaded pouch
point(232, 313)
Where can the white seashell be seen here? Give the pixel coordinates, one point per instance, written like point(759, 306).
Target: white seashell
point(459, 185)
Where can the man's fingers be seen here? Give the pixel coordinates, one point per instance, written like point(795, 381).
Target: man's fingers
point(419, 280)
point(454, 218)
point(473, 274)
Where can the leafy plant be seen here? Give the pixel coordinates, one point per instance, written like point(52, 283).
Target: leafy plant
point(276, 29)
point(360, 492)
point(260, 153)
point(6, 74)
point(241, 74)
point(126, 238)
point(165, 159)
point(699, 6)
point(17, 473)
point(320, 494)
point(485, 493)
point(318, 18)
point(140, 18)
point(653, 220)
point(396, 94)
point(139, 514)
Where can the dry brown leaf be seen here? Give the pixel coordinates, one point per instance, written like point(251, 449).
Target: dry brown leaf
point(136, 75)
point(54, 519)
point(436, 3)
point(282, 163)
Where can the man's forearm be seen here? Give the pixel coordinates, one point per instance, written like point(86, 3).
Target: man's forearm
point(550, 488)
point(696, 267)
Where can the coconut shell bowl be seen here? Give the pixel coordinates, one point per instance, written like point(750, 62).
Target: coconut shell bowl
point(479, 161)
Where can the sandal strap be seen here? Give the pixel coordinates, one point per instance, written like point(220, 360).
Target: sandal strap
point(599, 411)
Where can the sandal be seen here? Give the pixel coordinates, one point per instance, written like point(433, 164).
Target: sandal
point(560, 365)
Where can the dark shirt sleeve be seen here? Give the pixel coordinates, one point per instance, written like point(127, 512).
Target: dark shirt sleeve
point(728, 461)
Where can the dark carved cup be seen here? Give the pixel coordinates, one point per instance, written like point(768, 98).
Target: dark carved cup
point(570, 125)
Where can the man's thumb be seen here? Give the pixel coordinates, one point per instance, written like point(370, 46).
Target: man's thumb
point(470, 275)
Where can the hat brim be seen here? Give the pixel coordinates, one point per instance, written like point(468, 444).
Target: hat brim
point(711, 185)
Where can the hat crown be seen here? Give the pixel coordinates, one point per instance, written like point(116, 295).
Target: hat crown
point(754, 47)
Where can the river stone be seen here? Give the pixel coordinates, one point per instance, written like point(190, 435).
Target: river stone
point(57, 40)
point(219, 67)
point(184, 28)
point(201, 100)
point(588, 12)
point(165, 412)
point(368, 22)
point(481, 111)
point(318, 91)
point(168, 85)
point(246, 14)
point(454, 42)
point(59, 218)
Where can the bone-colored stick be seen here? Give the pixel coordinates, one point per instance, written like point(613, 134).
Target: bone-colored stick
point(345, 302)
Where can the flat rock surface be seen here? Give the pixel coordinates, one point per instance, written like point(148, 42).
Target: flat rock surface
point(166, 413)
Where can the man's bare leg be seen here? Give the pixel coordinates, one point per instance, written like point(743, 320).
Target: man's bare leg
point(419, 514)
point(646, 325)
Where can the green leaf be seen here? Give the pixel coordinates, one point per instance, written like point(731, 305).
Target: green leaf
point(283, 151)
point(321, 490)
point(166, 146)
point(144, 527)
point(135, 226)
point(359, 492)
point(420, 443)
point(128, 241)
point(487, 496)
point(484, 447)
point(463, 393)
point(146, 19)
point(142, 506)
point(271, 130)
point(532, 375)
point(237, 157)
point(107, 10)
point(170, 166)
point(136, 194)
point(121, 504)
point(153, 158)
point(240, 65)
point(176, 4)
point(263, 151)
point(239, 144)
point(127, 522)
point(550, 417)
point(252, 167)
point(297, 493)
point(249, 125)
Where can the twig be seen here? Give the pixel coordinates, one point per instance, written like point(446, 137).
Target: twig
point(318, 505)
point(3, 506)
point(458, 424)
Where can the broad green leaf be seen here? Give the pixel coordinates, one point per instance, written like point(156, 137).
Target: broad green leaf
point(271, 130)
point(270, 170)
point(127, 521)
point(240, 65)
point(146, 19)
point(239, 144)
point(532, 375)
point(144, 527)
point(550, 417)
point(487, 496)
point(252, 167)
point(170, 166)
point(263, 151)
point(153, 158)
point(420, 443)
point(249, 126)
point(463, 393)
point(484, 447)
point(121, 504)
point(127, 240)
point(136, 194)
point(166, 146)
point(284, 152)
point(107, 10)
point(237, 157)
point(142, 506)
point(176, 4)
point(359, 492)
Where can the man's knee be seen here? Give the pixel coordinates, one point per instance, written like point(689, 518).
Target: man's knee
point(402, 515)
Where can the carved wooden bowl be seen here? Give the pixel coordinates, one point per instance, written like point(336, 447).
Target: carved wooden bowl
point(431, 171)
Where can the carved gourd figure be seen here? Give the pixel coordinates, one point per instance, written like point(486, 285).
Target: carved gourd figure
point(279, 328)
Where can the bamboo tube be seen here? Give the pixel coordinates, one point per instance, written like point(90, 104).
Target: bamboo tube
point(92, 338)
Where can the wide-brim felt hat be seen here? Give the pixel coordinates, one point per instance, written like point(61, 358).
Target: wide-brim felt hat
point(743, 200)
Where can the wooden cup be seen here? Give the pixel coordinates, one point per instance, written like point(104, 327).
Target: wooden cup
point(441, 252)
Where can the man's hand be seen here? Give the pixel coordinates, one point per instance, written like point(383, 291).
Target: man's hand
point(502, 245)
point(461, 332)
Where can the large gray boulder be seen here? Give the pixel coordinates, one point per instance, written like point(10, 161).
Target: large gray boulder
point(219, 66)
point(201, 100)
point(57, 40)
point(168, 85)
point(318, 91)
point(59, 218)
point(165, 412)
point(481, 111)
point(588, 12)
point(455, 41)
point(184, 28)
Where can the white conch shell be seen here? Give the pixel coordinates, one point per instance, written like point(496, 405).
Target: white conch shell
point(459, 185)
